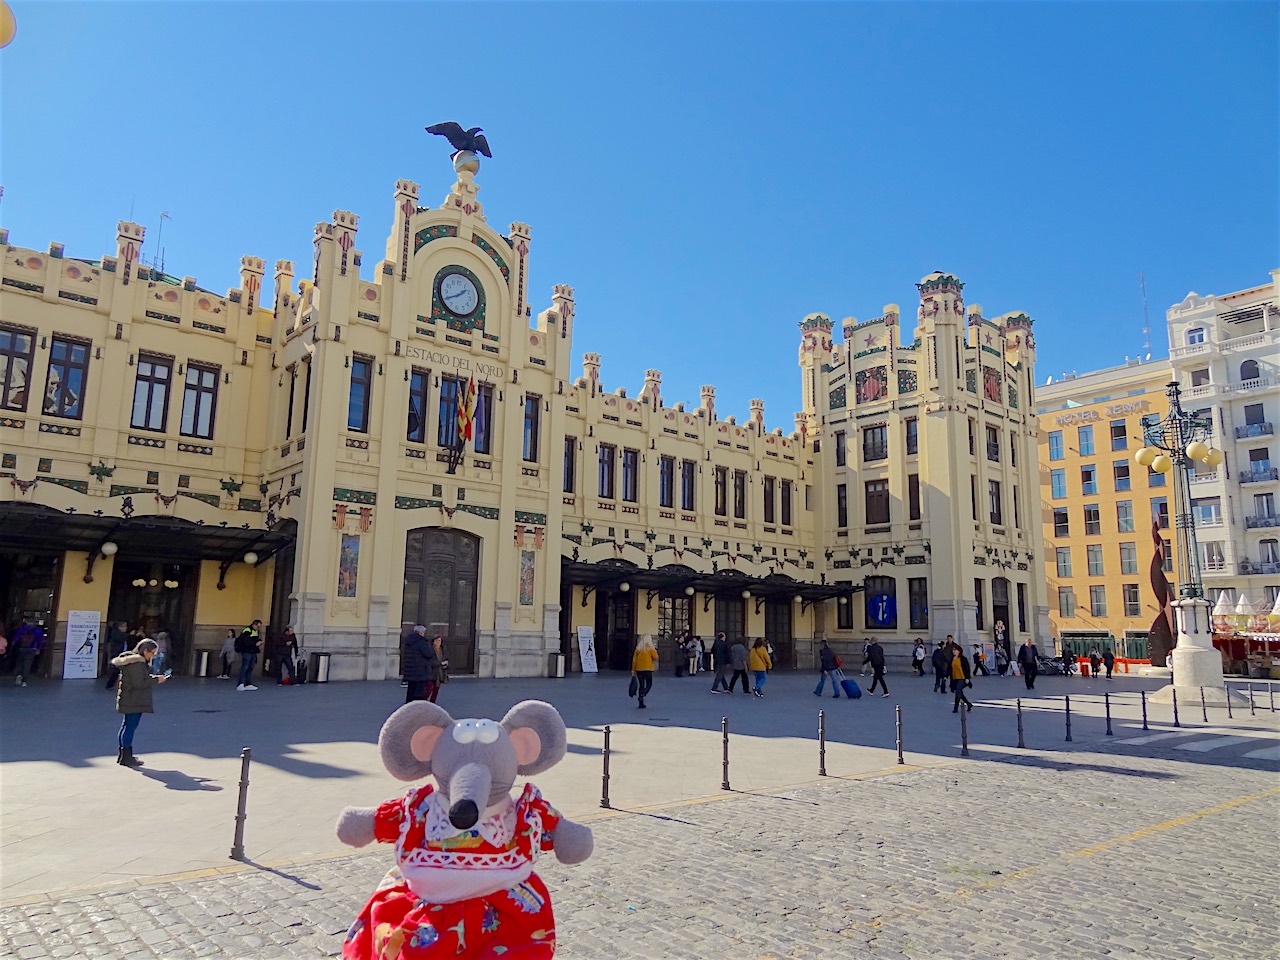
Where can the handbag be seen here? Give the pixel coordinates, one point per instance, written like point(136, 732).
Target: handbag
point(839, 663)
point(634, 687)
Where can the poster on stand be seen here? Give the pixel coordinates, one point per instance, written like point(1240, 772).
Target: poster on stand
point(80, 659)
point(587, 649)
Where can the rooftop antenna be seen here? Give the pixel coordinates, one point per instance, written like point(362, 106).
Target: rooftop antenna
point(1146, 323)
point(164, 215)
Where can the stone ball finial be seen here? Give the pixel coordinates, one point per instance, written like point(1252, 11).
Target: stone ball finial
point(464, 161)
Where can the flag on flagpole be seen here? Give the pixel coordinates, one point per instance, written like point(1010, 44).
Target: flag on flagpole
point(466, 409)
point(478, 422)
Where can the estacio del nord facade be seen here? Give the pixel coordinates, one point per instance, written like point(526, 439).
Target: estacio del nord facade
point(289, 450)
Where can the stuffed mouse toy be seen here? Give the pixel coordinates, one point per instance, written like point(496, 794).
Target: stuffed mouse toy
point(463, 884)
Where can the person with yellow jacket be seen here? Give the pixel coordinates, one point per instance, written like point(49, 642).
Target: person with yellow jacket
point(759, 663)
point(643, 663)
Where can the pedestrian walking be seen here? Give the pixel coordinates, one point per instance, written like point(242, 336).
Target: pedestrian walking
point(1028, 663)
point(980, 660)
point(722, 663)
point(419, 664)
point(1109, 661)
point(693, 654)
point(941, 660)
point(917, 657)
point(1002, 661)
point(961, 678)
point(228, 651)
point(247, 645)
point(828, 666)
point(704, 659)
point(1095, 661)
point(760, 663)
point(133, 697)
point(163, 646)
point(287, 654)
point(29, 641)
point(738, 657)
point(875, 656)
point(644, 662)
point(117, 643)
point(441, 674)
point(866, 658)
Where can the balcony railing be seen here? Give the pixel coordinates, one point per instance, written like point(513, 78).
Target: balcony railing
point(1254, 430)
point(1190, 349)
point(1213, 521)
point(1248, 567)
point(1263, 520)
point(1209, 477)
point(1258, 383)
point(1215, 565)
point(1260, 475)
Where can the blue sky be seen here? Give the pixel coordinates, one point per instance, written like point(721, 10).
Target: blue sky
point(703, 174)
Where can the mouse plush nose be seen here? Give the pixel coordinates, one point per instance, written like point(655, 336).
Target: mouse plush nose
point(464, 814)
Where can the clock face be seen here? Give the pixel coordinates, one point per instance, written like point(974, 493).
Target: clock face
point(459, 294)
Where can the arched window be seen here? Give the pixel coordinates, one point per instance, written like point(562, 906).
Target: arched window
point(1195, 335)
point(1249, 370)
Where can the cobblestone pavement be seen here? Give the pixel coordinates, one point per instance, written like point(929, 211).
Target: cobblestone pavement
point(1093, 853)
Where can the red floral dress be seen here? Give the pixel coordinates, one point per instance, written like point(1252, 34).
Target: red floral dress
point(459, 893)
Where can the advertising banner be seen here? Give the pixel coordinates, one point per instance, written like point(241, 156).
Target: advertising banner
point(80, 659)
point(587, 649)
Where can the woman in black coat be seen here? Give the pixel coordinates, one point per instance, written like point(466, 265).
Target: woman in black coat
point(420, 664)
point(133, 697)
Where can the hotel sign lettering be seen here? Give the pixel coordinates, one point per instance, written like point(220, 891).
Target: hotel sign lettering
point(1112, 410)
point(450, 361)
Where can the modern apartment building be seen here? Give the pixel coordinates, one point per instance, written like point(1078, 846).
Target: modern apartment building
point(1225, 351)
point(1099, 506)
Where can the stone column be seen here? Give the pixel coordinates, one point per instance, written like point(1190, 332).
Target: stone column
point(1197, 663)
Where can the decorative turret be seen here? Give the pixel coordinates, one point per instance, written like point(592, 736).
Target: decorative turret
point(128, 247)
point(562, 303)
point(519, 237)
point(815, 354)
point(251, 271)
point(709, 401)
point(591, 370)
point(652, 392)
point(400, 244)
point(757, 414)
point(344, 224)
point(940, 315)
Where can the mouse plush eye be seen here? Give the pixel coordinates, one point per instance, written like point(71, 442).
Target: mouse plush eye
point(487, 731)
point(464, 731)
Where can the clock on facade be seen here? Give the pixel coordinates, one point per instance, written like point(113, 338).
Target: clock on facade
point(458, 294)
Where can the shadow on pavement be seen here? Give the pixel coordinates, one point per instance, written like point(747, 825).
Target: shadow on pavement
point(262, 868)
point(1066, 766)
point(177, 780)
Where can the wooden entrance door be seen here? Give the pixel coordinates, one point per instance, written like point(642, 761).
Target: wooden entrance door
point(441, 577)
point(777, 631)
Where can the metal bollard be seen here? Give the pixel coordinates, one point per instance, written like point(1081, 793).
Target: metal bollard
point(237, 845)
point(1203, 709)
point(1226, 688)
point(1271, 696)
point(1068, 719)
point(898, 711)
point(964, 733)
point(1021, 742)
point(1174, 691)
point(1107, 700)
point(1144, 710)
point(822, 743)
point(1252, 710)
point(604, 780)
point(724, 728)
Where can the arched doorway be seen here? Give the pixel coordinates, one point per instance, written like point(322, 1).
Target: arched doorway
point(441, 574)
point(1000, 609)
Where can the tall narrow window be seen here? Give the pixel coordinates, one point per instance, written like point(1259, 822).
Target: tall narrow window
point(1022, 607)
point(1098, 600)
point(913, 496)
point(1085, 437)
point(918, 598)
point(980, 599)
point(740, 494)
point(787, 494)
point(688, 484)
point(882, 603)
point(1061, 522)
point(972, 442)
point(973, 496)
point(841, 448)
point(532, 423)
point(306, 397)
point(666, 481)
point(1160, 511)
point(1066, 602)
point(1058, 483)
point(1017, 511)
point(68, 373)
point(1124, 516)
point(1056, 451)
point(1120, 473)
point(877, 501)
point(200, 401)
point(913, 436)
point(1063, 555)
point(151, 393)
point(844, 612)
point(770, 499)
point(842, 505)
point(1132, 600)
point(416, 427)
point(16, 350)
point(1119, 435)
point(1013, 448)
point(447, 430)
point(993, 444)
point(482, 420)
point(722, 491)
point(1155, 479)
point(1088, 479)
point(1128, 558)
point(630, 475)
point(996, 502)
point(570, 463)
point(293, 389)
point(1093, 553)
point(608, 458)
point(875, 444)
point(358, 399)
point(1092, 520)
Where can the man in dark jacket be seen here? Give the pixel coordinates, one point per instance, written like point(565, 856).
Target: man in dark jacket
point(247, 645)
point(940, 661)
point(1109, 661)
point(420, 664)
point(828, 666)
point(738, 656)
point(720, 658)
point(875, 656)
point(1028, 663)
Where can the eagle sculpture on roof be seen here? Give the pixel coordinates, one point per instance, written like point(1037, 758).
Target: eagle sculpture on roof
point(469, 140)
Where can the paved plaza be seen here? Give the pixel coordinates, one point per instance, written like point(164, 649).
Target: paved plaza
point(1146, 842)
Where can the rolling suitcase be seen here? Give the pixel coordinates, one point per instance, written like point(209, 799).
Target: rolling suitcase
point(851, 688)
point(300, 669)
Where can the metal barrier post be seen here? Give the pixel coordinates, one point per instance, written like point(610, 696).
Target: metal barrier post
point(1252, 709)
point(964, 733)
point(1107, 700)
point(237, 845)
point(1174, 691)
point(1226, 688)
point(724, 729)
point(898, 711)
point(1271, 696)
point(822, 743)
point(604, 784)
point(1021, 743)
point(1203, 709)
point(1068, 719)
point(1144, 710)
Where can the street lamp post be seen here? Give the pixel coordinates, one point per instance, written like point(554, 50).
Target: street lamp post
point(1171, 445)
